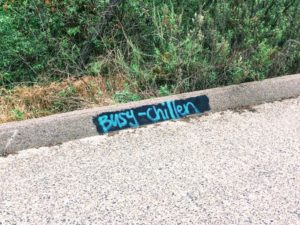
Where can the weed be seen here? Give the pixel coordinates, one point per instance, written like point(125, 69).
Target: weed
point(165, 90)
point(125, 96)
point(18, 114)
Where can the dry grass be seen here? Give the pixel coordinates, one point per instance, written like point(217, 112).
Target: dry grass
point(41, 100)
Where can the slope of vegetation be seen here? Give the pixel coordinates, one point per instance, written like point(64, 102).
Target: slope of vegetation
point(157, 47)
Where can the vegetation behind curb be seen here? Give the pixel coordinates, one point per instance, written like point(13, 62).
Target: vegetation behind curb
point(155, 47)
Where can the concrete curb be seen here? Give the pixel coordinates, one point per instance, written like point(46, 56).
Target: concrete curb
point(56, 129)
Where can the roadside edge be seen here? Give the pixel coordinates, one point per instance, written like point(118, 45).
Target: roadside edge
point(59, 128)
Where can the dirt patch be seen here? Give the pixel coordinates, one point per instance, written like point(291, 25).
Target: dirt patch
point(243, 109)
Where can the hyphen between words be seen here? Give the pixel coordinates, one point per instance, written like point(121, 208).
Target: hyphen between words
point(169, 110)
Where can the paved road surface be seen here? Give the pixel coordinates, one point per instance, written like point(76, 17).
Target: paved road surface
point(224, 168)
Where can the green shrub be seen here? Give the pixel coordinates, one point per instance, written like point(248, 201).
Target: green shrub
point(182, 45)
point(19, 59)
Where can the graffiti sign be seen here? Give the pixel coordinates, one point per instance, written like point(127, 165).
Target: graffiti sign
point(148, 114)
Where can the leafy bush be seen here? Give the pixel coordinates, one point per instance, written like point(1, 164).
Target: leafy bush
point(19, 59)
point(160, 46)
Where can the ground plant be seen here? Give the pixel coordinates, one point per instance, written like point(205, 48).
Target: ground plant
point(154, 47)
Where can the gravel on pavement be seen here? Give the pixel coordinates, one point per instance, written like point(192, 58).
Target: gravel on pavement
point(232, 167)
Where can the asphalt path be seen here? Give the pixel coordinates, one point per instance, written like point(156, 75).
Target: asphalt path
point(233, 167)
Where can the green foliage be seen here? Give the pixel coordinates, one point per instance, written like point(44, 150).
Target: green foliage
point(17, 114)
point(161, 46)
point(67, 100)
point(126, 96)
point(165, 90)
point(68, 92)
point(19, 54)
point(41, 41)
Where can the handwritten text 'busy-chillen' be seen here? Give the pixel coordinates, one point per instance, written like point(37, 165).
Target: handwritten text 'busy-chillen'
point(170, 110)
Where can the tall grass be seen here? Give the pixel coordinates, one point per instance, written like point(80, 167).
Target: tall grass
point(158, 46)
